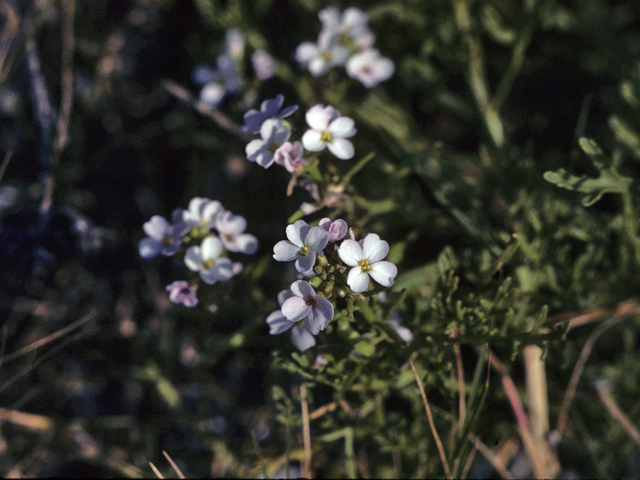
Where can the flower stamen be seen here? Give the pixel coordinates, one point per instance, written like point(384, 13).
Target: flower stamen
point(326, 136)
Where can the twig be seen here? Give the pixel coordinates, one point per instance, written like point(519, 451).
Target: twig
point(50, 338)
point(491, 457)
point(577, 319)
point(467, 464)
point(443, 457)
point(577, 371)
point(66, 80)
point(218, 117)
point(5, 163)
point(173, 465)
point(461, 386)
point(613, 408)
point(306, 433)
point(155, 470)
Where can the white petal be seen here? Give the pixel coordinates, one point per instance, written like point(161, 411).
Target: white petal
point(149, 248)
point(303, 264)
point(295, 309)
point(297, 232)
point(341, 148)
point(212, 94)
point(283, 295)
point(230, 223)
point(285, 251)
point(342, 127)
point(156, 228)
point(374, 248)
point(317, 117)
point(278, 323)
point(265, 159)
point(302, 289)
point(357, 280)
point(211, 210)
point(306, 51)
point(312, 141)
point(253, 148)
point(316, 239)
point(320, 315)
point(245, 243)
point(193, 259)
point(211, 247)
point(301, 338)
point(350, 252)
point(383, 273)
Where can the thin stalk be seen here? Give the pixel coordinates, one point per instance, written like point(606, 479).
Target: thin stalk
point(349, 453)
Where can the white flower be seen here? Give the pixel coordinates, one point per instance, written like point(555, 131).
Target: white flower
point(234, 44)
point(263, 64)
point(370, 68)
point(303, 245)
point(274, 133)
point(202, 212)
point(320, 57)
point(404, 332)
point(206, 260)
point(366, 261)
point(290, 156)
point(353, 24)
point(270, 108)
point(336, 229)
point(301, 337)
point(217, 82)
point(231, 228)
point(304, 304)
point(329, 129)
point(163, 237)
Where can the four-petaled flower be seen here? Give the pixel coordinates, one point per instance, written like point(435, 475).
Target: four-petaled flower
point(163, 237)
point(305, 304)
point(217, 82)
point(370, 68)
point(329, 129)
point(352, 25)
point(336, 229)
point(278, 323)
point(366, 261)
point(231, 228)
point(181, 292)
point(303, 245)
point(202, 213)
point(320, 57)
point(274, 133)
point(207, 260)
point(270, 108)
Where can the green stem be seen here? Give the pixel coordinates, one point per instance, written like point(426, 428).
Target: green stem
point(357, 167)
point(349, 453)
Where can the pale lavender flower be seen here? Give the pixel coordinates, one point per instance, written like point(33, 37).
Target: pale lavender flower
point(274, 133)
point(207, 260)
point(278, 323)
point(369, 67)
point(366, 261)
point(290, 156)
point(202, 212)
point(234, 44)
point(217, 82)
point(181, 292)
point(264, 65)
point(303, 243)
point(320, 57)
point(404, 332)
point(231, 229)
point(352, 24)
point(336, 229)
point(163, 237)
point(270, 108)
point(329, 129)
point(305, 304)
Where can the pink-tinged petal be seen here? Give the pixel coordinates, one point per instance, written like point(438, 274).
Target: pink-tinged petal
point(383, 273)
point(357, 280)
point(312, 141)
point(316, 239)
point(297, 232)
point(193, 259)
point(245, 243)
point(283, 295)
point(319, 317)
point(149, 248)
point(306, 51)
point(278, 323)
point(341, 148)
point(318, 117)
point(374, 248)
point(285, 251)
point(338, 230)
point(302, 289)
point(295, 309)
point(211, 247)
point(350, 252)
point(156, 228)
point(342, 127)
point(304, 264)
point(301, 338)
point(230, 223)
point(252, 149)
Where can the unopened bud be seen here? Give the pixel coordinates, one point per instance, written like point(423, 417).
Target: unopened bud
point(317, 270)
point(315, 282)
point(322, 261)
point(327, 287)
point(341, 292)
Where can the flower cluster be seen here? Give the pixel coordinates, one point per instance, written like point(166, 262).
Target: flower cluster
point(327, 129)
point(346, 40)
point(226, 78)
point(334, 270)
point(190, 233)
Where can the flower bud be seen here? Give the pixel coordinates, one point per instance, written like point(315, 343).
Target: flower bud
point(341, 292)
point(317, 270)
point(326, 287)
point(322, 261)
point(331, 269)
point(315, 282)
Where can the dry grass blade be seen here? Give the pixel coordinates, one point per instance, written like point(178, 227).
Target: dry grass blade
point(5, 163)
point(173, 465)
point(615, 411)
point(491, 457)
point(443, 457)
point(306, 433)
point(155, 470)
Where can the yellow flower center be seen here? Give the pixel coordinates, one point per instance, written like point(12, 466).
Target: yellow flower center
point(312, 302)
point(204, 223)
point(207, 264)
point(273, 147)
point(364, 264)
point(326, 136)
point(326, 56)
point(167, 241)
point(303, 251)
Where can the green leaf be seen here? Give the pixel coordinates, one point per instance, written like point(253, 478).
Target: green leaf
point(365, 347)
